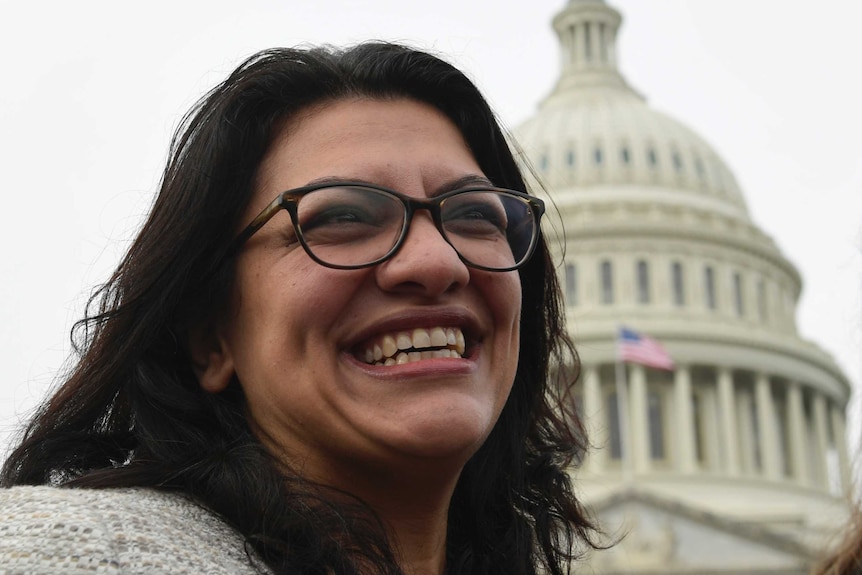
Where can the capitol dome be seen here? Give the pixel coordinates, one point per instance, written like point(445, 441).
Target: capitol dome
point(742, 442)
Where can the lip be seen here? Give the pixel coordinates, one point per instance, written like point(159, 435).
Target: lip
point(427, 368)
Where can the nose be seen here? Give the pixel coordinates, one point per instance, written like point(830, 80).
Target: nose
point(425, 264)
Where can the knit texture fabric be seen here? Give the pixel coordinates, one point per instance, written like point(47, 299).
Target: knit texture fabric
point(58, 531)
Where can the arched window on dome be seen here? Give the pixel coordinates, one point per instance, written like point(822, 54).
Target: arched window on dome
point(738, 294)
point(642, 271)
point(719, 177)
point(709, 287)
point(677, 162)
point(588, 44)
point(598, 156)
point(698, 167)
point(570, 157)
point(543, 162)
point(676, 281)
point(652, 157)
point(606, 274)
point(625, 156)
point(762, 309)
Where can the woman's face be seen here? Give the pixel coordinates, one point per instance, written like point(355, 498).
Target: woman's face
point(298, 333)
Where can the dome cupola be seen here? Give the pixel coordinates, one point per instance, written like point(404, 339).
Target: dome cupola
point(587, 30)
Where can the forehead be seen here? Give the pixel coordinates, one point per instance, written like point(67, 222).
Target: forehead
point(395, 143)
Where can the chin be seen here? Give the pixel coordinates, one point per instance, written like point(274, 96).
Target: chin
point(455, 434)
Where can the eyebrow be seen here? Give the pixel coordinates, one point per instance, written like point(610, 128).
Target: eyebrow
point(467, 181)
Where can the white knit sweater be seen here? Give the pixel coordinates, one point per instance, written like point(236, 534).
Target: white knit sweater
point(48, 530)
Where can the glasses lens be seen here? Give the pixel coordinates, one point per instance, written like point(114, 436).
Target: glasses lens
point(491, 229)
point(349, 225)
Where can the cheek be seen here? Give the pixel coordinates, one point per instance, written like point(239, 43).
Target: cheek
point(515, 319)
point(286, 305)
point(506, 303)
point(287, 286)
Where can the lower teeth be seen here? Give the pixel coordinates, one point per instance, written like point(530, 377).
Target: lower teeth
point(409, 357)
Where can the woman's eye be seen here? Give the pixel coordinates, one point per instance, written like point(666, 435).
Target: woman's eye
point(335, 216)
point(476, 218)
point(480, 213)
point(343, 224)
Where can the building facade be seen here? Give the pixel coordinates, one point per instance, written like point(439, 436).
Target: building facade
point(735, 461)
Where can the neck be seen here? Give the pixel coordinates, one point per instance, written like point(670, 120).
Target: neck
point(411, 498)
point(417, 522)
point(413, 504)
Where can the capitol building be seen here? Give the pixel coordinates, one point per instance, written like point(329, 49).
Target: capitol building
point(735, 460)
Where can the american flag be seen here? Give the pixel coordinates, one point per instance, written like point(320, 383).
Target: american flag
point(637, 348)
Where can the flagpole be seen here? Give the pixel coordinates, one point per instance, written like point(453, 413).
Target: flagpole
point(622, 415)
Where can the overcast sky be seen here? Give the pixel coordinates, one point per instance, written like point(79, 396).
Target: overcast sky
point(91, 91)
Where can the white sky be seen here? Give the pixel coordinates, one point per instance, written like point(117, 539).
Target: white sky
point(91, 91)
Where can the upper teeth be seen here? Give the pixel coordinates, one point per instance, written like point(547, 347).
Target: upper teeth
point(420, 343)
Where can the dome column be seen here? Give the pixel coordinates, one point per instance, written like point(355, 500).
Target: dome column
point(727, 410)
point(639, 435)
point(767, 424)
point(745, 403)
point(595, 421)
point(821, 441)
point(839, 432)
point(685, 419)
point(612, 46)
point(796, 429)
point(595, 43)
point(567, 43)
point(582, 46)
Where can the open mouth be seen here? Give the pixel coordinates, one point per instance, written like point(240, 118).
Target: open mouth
point(407, 346)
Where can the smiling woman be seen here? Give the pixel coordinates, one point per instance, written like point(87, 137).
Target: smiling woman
point(329, 350)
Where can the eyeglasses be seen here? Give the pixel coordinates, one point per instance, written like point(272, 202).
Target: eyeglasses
point(350, 225)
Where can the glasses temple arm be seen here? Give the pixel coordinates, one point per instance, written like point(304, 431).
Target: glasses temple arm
point(258, 222)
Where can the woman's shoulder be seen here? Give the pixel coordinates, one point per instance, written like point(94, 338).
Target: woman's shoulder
point(62, 530)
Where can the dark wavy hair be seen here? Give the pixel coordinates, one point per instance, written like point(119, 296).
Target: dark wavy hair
point(845, 557)
point(131, 412)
